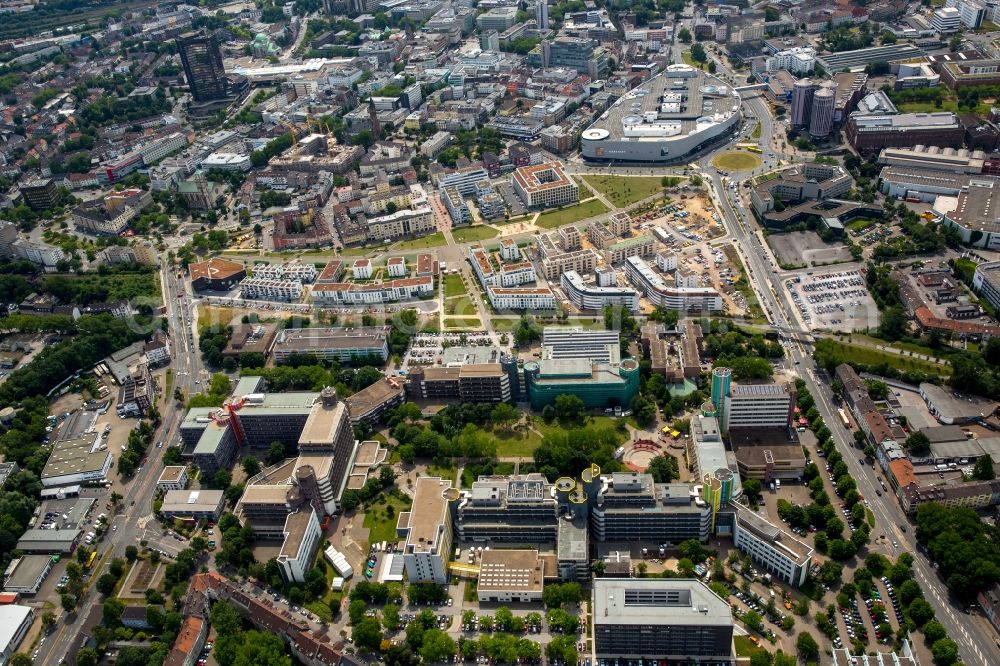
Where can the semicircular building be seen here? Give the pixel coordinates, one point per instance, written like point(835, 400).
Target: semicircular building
point(665, 119)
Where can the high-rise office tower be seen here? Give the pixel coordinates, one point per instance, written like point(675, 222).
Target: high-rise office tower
point(542, 14)
point(802, 96)
point(821, 117)
point(203, 68)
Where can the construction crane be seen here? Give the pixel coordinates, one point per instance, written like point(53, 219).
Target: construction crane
point(291, 129)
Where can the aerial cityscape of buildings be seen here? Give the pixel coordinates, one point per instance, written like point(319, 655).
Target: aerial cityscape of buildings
point(499, 332)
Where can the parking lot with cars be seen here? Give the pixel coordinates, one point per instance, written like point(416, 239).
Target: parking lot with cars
point(838, 301)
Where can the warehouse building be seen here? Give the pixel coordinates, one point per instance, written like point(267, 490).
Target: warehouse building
point(193, 504)
point(26, 574)
point(78, 460)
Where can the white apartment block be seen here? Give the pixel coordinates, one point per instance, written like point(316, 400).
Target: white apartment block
point(545, 186)
point(271, 290)
point(402, 223)
point(428, 532)
point(160, 148)
point(396, 267)
point(581, 261)
point(458, 210)
point(521, 298)
point(666, 261)
point(389, 291)
point(775, 550)
point(509, 250)
point(591, 297)
point(757, 406)
point(293, 270)
point(464, 179)
point(799, 60)
point(302, 536)
point(362, 269)
point(506, 275)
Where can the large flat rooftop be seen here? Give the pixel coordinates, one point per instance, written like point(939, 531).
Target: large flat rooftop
point(429, 513)
point(677, 103)
point(322, 423)
point(511, 570)
point(658, 601)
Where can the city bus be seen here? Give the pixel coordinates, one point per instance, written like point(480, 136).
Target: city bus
point(90, 560)
point(843, 418)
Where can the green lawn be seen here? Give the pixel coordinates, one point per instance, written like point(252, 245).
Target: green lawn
point(907, 346)
point(861, 224)
point(463, 322)
point(454, 286)
point(478, 232)
point(868, 356)
point(625, 190)
point(356, 251)
point(688, 60)
point(581, 211)
point(435, 239)
point(380, 522)
point(460, 306)
point(744, 646)
point(756, 132)
point(516, 443)
point(737, 161)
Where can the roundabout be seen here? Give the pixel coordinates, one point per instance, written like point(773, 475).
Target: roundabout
point(736, 160)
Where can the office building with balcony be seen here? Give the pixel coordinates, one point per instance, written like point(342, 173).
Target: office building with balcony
point(630, 506)
point(592, 297)
point(511, 509)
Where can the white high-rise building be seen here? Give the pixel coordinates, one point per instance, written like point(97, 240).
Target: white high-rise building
point(800, 60)
point(428, 532)
point(972, 13)
point(757, 406)
point(946, 20)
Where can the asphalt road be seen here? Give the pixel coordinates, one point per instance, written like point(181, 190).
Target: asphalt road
point(186, 365)
point(975, 645)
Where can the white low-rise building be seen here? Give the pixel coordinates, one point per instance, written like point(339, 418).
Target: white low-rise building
point(640, 274)
point(771, 548)
point(271, 290)
point(388, 291)
point(302, 536)
point(521, 298)
point(592, 297)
